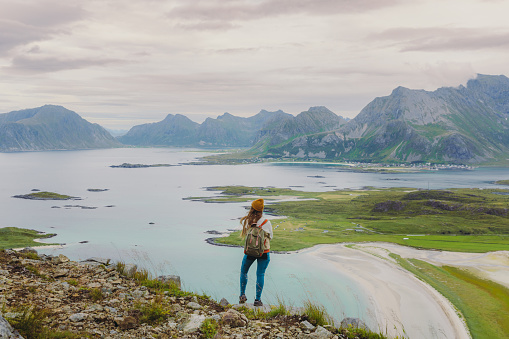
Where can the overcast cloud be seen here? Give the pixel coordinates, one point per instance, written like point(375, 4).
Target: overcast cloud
point(121, 63)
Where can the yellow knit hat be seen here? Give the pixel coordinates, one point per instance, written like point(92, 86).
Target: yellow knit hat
point(257, 205)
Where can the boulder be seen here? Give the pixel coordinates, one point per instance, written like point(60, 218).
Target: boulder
point(194, 323)
point(194, 306)
point(97, 260)
point(320, 333)
point(127, 323)
point(354, 323)
point(234, 318)
point(78, 317)
point(6, 330)
point(60, 259)
point(306, 325)
point(170, 279)
point(224, 302)
point(28, 250)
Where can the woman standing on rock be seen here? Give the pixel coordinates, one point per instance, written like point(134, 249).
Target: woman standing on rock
point(252, 224)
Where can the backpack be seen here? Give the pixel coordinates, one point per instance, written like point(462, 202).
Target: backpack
point(255, 241)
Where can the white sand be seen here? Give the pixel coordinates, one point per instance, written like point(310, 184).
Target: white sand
point(401, 304)
point(492, 265)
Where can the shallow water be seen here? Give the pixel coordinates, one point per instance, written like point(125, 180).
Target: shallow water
point(175, 242)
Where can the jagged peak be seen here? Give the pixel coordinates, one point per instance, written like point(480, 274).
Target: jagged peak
point(226, 115)
point(314, 109)
point(487, 80)
point(400, 90)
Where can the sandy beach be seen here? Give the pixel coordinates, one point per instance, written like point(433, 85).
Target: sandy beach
point(401, 304)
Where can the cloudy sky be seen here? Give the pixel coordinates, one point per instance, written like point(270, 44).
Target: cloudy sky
point(124, 62)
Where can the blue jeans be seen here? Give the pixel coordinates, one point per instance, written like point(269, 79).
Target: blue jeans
point(261, 266)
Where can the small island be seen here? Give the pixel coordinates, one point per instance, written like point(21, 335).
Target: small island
point(502, 182)
point(46, 196)
point(127, 165)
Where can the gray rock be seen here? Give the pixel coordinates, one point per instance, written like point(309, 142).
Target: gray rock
point(215, 317)
point(354, 323)
point(28, 250)
point(78, 317)
point(60, 259)
point(139, 294)
point(194, 323)
point(126, 323)
point(6, 330)
point(102, 261)
point(194, 306)
point(306, 325)
point(170, 279)
point(234, 318)
point(94, 308)
point(224, 302)
point(110, 309)
point(322, 333)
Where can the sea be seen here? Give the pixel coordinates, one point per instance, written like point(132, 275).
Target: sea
point(141, 216)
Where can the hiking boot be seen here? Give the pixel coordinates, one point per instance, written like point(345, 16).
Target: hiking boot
point(242, 299)
point(258, 303)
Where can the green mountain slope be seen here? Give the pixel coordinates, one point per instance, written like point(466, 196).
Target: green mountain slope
point(456, 125)
point(50, 128)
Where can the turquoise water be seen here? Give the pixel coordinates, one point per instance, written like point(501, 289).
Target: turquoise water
point(175, 242)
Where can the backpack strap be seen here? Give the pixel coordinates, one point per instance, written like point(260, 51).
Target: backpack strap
point(263, 223)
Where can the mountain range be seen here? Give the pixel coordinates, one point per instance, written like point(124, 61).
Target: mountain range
point(50, 128)
point(232, 131)
point(465, 124)
point(455, 125)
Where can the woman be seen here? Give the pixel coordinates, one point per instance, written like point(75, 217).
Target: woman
point(255, 216)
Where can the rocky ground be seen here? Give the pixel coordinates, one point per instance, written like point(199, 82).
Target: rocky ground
point(91, 299)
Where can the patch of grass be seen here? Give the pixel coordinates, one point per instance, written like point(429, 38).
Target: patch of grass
point(252, 313)
point(96, 294)
point(208, 328)
point(153, 312)
point(30, 255)
point(73, 282)
point(13, 237)
point(144, 278)
point(316, 314)
point(48, 196)
point(483, 303)
point(502, 182)
point(29, 321)
point(35, 271)
point(280, 310)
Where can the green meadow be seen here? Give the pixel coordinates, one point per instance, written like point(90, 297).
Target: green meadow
point(483, 303)
point(464, 220)
point(13, 237)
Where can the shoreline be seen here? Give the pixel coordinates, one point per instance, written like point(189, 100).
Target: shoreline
point(56, 246)
point(401, 303)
